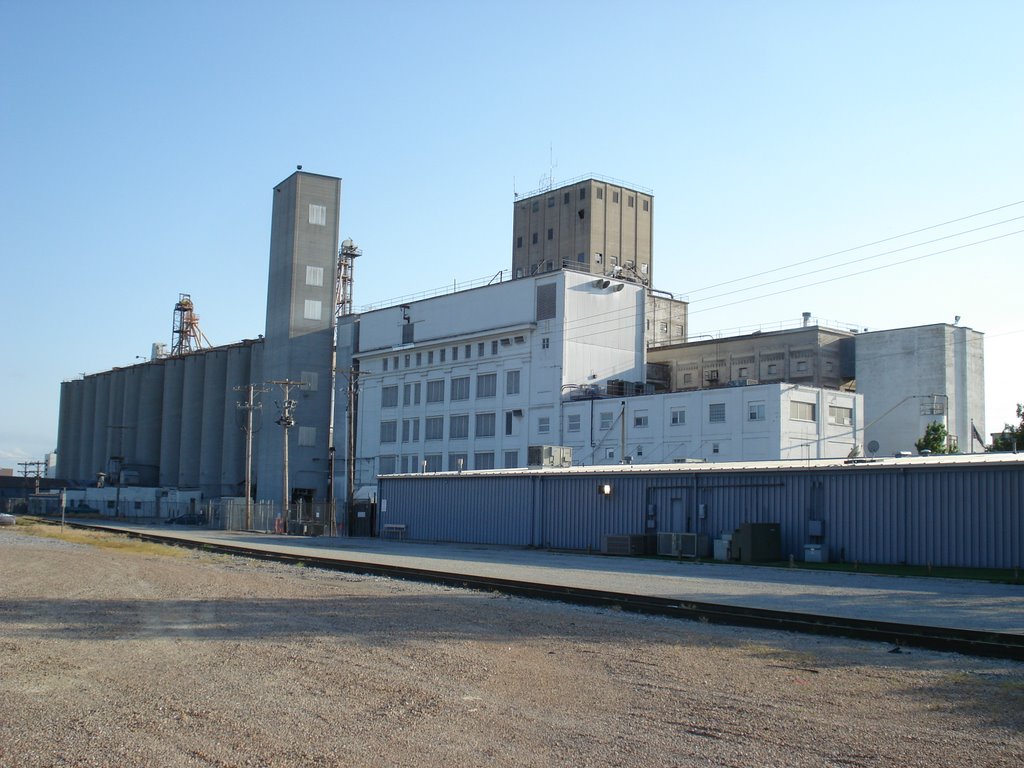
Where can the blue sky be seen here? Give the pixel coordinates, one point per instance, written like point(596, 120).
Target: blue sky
point(141, 142)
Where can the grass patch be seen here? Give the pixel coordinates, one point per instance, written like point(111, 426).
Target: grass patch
point(99, 539)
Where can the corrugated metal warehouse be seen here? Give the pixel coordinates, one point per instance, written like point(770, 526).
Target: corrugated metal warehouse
point(961, 511)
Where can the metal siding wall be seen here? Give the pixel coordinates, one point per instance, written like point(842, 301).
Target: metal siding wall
point(67, 430)
point(470, 510)
point(115, 415)
point(949, 516)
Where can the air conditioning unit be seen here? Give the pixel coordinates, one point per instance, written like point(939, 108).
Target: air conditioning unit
point(684, 545)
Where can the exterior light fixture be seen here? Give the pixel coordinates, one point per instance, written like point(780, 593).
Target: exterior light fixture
point(605, 489)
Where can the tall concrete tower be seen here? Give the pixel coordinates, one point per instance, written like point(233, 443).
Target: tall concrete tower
point(592, 225)
point(299, 335)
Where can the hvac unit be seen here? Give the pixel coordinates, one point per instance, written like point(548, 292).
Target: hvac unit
point(684, 545)
point(627, 544)
point(549, 456)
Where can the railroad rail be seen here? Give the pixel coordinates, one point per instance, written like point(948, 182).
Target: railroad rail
point(967, 641)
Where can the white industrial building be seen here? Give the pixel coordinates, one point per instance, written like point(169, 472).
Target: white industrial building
point(741, 423)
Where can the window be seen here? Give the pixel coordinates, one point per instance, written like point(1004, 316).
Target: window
point(545, 343)
point(544, 425)
point(389, 431)
point(687, 378)
point(716, 413)
point(582, 257)
point(460, 388)
point(411, 394)
point(318, 214)
point(647, 206)
point(549, 265)
point(480, 349)
point(388, 465)
point(435, 391)
point(678, 416)
point(609, 453)
point(519, 242)
point(385, 364)
point(486, 385)
point(837, 414)
point(536, 206)
point(455, 354)
point(408, 334)
point(310, 379)
point(565, 199)
point(432, 462)
point(829, 366)
point(583, 194)
point(456, 462)
point(640, 419)
point(755, 411)
point(533, 238)
point(469, 351)
point(551, 234)
point(511, 382)
point(407, 361)
point(458, 427)
point(773, 368)
point(433, 428)
point(573, 422)
point(639, 450)
point(394, 362)
point(551, 202)
point(509, 422)
point(410, 430)
point(715, 448)
point(307, 437)
point(630, 201)
point(484, 425)
point(494, 347)
point(315, 276)
point(711, 374)
point(801, 366)
point(410, 463)
point(600, 193)
point(430, 357)
point(615, 197)
point(483, 460)
point(511, 459)
point(606, 419)
point(389, 397)
point(802, 411)
point(743, 373)
point(419, 359)
point(311, 309)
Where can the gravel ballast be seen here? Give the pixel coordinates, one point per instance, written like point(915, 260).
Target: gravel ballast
point(155, 656)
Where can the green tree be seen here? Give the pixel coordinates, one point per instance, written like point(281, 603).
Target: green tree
point(1012, 437)
point(935, 440)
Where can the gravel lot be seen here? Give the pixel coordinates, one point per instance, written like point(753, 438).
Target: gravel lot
point(149, 656)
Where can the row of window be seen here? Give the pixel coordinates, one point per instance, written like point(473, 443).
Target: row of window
point(458, 389)
point(435, 462)
point(712, 374)
point(417, 359)
point(484, 425)
point(799, 411)
point(582, 194)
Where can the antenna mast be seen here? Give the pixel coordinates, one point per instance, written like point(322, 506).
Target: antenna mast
point(346, 277)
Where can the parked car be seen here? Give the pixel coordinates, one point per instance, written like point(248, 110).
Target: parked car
point(189, 518)
point(6, 519)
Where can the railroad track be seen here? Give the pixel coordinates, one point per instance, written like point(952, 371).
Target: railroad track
point(972, 642)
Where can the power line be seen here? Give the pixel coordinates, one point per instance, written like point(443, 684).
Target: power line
point(857, 247)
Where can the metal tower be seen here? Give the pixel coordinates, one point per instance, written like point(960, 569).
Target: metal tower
point(186, 335)
point(346, 277)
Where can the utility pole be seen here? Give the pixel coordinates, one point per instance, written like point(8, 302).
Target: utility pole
point(286, 420)
point(248, 406)
point(352, 378)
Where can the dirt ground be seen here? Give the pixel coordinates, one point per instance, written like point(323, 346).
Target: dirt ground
point(116, 653)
